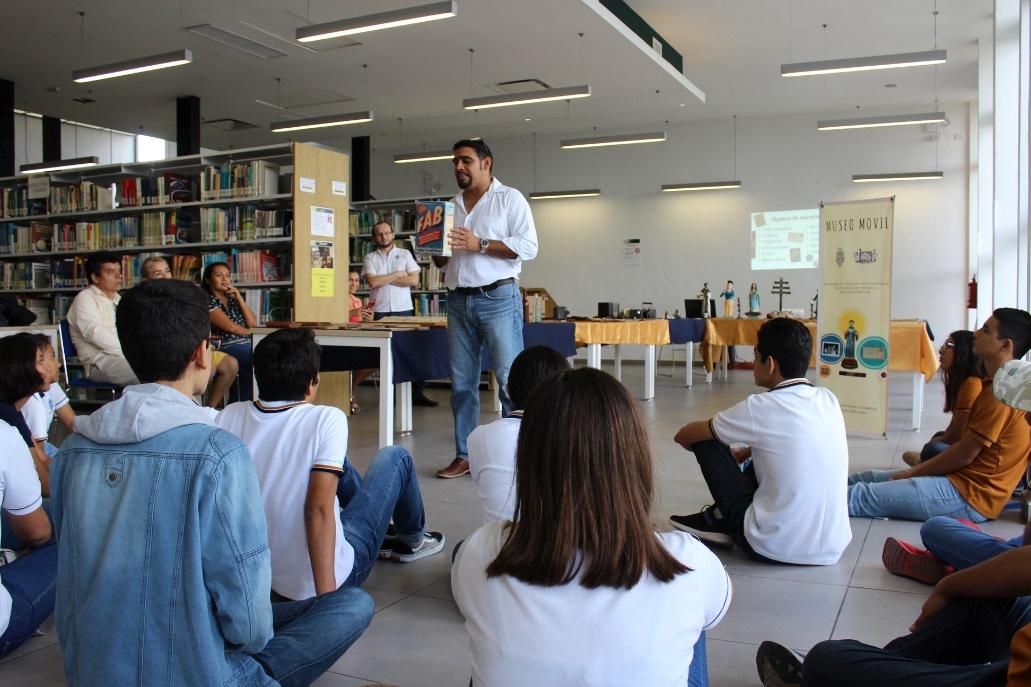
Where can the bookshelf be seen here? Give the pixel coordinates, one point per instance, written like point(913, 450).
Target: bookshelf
point(251, 208)
point(429, 298)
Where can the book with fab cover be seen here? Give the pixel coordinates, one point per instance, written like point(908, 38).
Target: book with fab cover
point(434, 221)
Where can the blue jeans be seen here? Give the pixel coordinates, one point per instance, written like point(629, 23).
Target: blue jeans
point(310, 635)
point(493, 319)
point(389, 489)
point(31, 581)
point(698, 674)
point(872, 494)
point(241, 350)
point(961, 546)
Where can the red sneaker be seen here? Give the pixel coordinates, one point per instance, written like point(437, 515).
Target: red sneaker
point(901, 558)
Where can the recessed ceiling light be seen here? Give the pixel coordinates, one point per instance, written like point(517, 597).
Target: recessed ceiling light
point(527, 119)
point(683, 104)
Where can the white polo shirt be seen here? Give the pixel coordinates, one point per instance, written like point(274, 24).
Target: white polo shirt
point(502, 214)
point(799, 513)
point(492, 465)
point(390, 298)
point(19, 492)
point(287, 441)
point(40, 408)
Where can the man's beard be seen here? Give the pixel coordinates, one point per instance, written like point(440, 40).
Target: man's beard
point(464, 182)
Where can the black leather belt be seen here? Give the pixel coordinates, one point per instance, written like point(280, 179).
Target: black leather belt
point(473, 290)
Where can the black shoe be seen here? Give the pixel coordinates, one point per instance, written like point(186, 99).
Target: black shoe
point(422, 400)
point(386, 547)
point(778, 665)
point(705, 525)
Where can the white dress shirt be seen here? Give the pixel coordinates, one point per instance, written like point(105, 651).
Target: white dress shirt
point(390, 298)
point(91, 320)
point(502, 214)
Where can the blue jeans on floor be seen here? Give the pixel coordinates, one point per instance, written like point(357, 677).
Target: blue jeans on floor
point(241, 350)
point(389, 489)
point(872, 494)
point(310, 635)
point(961, 546)
point(493, 319)
point(698, 674)
point(31, 581)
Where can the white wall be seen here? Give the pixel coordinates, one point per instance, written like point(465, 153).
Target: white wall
point(688, 238)
point(76, 141)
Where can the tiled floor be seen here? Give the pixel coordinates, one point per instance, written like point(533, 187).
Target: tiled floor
point(417, 637)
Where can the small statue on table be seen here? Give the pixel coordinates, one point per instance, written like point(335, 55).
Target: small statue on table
point(728, 299)
point(753, 302)
point(704, 296)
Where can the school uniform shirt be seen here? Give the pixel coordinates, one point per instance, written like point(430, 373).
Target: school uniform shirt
point(988, 481)
point(9, 415)
point(39, 411)
point(799, 513)
point(967, 394)
point(523, 634)
point(502, 214)
point(20, 493)
point(492, 465)
point(288, 441)
point(390, 298)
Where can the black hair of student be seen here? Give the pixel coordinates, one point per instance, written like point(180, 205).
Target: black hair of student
point(530, 368)
point(790, 344)
point(42, 341)
point(206, 277)
point(964, 364)
point(160, 324)
point(19, 377)
point(95, 264)
point(285, 363)
point(1015, 325)
point(481, 148)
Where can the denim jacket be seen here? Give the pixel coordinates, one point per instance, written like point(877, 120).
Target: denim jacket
point(163, 561)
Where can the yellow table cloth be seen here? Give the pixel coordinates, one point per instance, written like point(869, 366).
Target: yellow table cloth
point(644, 332)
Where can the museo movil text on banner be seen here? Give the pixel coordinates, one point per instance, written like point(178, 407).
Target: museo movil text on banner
point(855, 309)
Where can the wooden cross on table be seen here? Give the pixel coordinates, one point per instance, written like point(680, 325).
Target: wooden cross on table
point(781, 287)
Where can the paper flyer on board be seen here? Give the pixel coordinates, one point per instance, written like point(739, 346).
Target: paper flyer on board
point(322, 258)
point(855, 309)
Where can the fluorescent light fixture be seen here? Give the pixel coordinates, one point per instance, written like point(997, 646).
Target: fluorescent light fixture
point(862, 64)
point(56, 165)
point(526, 97)
point(895, 176)
point(140, 64)
point(424, 157)
point(582, 193)
point(236, 41)
point(322, 122)
point(701, 186)
point(620, 140)
point(886, 120)
point(380, 20)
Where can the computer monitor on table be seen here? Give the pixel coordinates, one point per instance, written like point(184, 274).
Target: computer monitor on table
point(693, 307)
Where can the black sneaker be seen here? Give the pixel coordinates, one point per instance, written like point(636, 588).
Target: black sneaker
point(705, 525)
point(778, 665)
point(426, 401)
point(432, 542)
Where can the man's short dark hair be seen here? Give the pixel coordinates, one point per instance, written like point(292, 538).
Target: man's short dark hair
point(19, 377)
point(285, 363)
point(95, 263)
point(530, 368)
point(481, 148)
point(790, 344)
point(160, 324)
point(1015, 325)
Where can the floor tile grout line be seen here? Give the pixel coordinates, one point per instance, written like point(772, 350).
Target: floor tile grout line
point(10, 660)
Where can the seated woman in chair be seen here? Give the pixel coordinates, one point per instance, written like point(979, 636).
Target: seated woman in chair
point(232, 320)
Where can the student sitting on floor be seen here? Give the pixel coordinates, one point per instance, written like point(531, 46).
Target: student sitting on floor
point(492, 448)
point(962, 372)
point(788, 505)
point(579, 589)
point(24, 372)
point(164, 560)
point(41, 407)
point(973, 478)
point(326, 525)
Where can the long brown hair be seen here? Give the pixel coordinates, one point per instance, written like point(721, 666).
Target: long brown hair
point(964, 364)
point(583, 489)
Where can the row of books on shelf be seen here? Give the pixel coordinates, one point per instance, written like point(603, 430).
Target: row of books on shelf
point(243, 223)
point(81, 197)
point(362, 221)
point(257, 178)
point(426, 304)
point(15, 202)
point(163, 189)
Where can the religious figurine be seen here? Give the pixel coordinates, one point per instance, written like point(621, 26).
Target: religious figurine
point(753, 301)
point(781, 288)
point(728, 300)
point(851, 339)
point(739, 307)
point(704, 295)
point(814, 306)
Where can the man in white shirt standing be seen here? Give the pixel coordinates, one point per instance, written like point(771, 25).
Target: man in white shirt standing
point(788, 505)
point(494, 233)
point(392, 272)
point(91, 320)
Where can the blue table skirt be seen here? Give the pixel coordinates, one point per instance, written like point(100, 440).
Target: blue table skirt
point(684, 330)
point(423, 354)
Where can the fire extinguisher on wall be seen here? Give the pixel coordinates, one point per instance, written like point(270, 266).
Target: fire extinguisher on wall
point(972, 293)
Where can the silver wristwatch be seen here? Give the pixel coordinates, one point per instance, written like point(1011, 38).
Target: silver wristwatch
point(484, 245)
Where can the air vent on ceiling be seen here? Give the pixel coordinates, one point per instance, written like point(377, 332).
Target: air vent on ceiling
point(236, 41)
point(520, 86)
point(230, 124)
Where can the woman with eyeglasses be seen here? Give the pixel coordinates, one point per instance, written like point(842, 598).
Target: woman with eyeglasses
point(962, 373)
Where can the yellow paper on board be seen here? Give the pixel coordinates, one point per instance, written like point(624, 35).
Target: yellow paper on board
point(321, 282)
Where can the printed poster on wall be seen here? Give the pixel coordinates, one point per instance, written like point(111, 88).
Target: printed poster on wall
point(855, 309)
point(322, 258)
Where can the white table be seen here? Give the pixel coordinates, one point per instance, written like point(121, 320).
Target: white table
point(594, 360)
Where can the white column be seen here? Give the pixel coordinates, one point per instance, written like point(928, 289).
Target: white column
point(986, 168)
point(1023, 150)
point(1006, 242)
point(973, 193)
